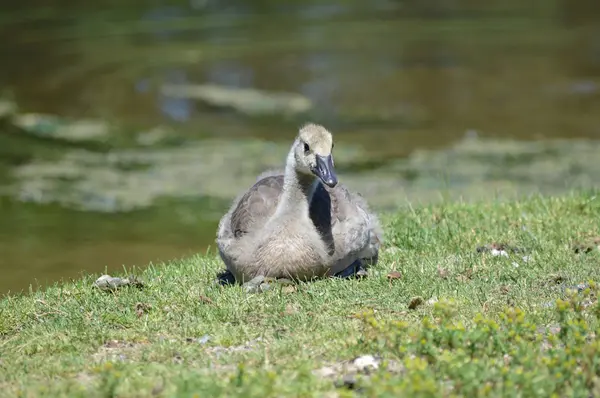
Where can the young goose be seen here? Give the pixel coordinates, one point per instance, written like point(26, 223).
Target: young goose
point(300, 224)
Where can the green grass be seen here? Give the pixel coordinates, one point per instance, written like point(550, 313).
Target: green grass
point(478, 332)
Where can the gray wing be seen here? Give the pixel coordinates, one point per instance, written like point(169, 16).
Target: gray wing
point(257, 205)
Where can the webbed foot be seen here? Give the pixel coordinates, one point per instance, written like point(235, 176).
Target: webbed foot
point(225, 278)
point(356, 269)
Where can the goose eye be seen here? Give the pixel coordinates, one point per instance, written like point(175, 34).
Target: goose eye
point(306, 148)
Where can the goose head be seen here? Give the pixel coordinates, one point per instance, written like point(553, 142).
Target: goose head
point(312, 152)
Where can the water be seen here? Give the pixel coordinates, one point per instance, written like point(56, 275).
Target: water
point(389, 78)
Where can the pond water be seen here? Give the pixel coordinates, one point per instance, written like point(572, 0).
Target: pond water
point(425, 98)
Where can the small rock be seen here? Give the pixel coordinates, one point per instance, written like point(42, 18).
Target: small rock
point(394, 275)
point(415, 302)
point(363, 363)
point(346, 372)
point(204, 339)
point(499, 249)
point(499, 253)
point(109, 283)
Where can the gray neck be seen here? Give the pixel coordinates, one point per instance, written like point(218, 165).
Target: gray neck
point(298, 189)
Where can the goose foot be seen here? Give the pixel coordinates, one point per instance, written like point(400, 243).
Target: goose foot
point(356, 269)
point(225, 278)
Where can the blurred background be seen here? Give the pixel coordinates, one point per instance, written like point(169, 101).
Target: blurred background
point(127, 127)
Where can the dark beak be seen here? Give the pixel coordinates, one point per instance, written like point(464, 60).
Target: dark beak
point(325, 170)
